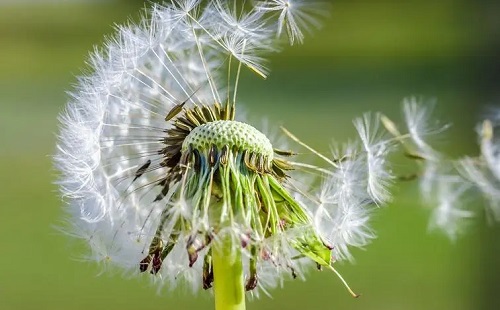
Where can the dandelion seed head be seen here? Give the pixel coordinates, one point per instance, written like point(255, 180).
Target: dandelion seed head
point(156, 171)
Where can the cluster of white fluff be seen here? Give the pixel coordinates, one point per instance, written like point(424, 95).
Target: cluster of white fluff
point(450, 185)
point(359, 180)
point(356, 184)
point(183, 52)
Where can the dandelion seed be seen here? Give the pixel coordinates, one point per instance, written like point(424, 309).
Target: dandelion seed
point(417, 114)
point(447, 184)
point(418, 120)
point(376, 149)
point(294, 15)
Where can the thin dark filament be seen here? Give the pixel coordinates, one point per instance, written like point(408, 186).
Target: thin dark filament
point(127, 195)
point(120, 179)
point(142, 155)
point(149, 215)
point(133, 169)
point(148, 191)
point(132, 158)
point(147, 219)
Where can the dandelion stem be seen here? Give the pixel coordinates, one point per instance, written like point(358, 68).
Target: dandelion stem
point(229, 288)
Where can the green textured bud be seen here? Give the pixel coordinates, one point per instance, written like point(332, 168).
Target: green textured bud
point(231, 133)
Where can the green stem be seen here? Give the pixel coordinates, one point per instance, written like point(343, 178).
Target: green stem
point(229, 288)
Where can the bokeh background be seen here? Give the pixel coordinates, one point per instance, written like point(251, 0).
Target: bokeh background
point(367, 57)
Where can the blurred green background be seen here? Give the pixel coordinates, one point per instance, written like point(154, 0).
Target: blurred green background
point(367, 57)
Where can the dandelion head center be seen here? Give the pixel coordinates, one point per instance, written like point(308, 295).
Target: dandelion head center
point(234, 134)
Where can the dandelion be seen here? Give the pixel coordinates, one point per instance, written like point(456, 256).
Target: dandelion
point(160, 178)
